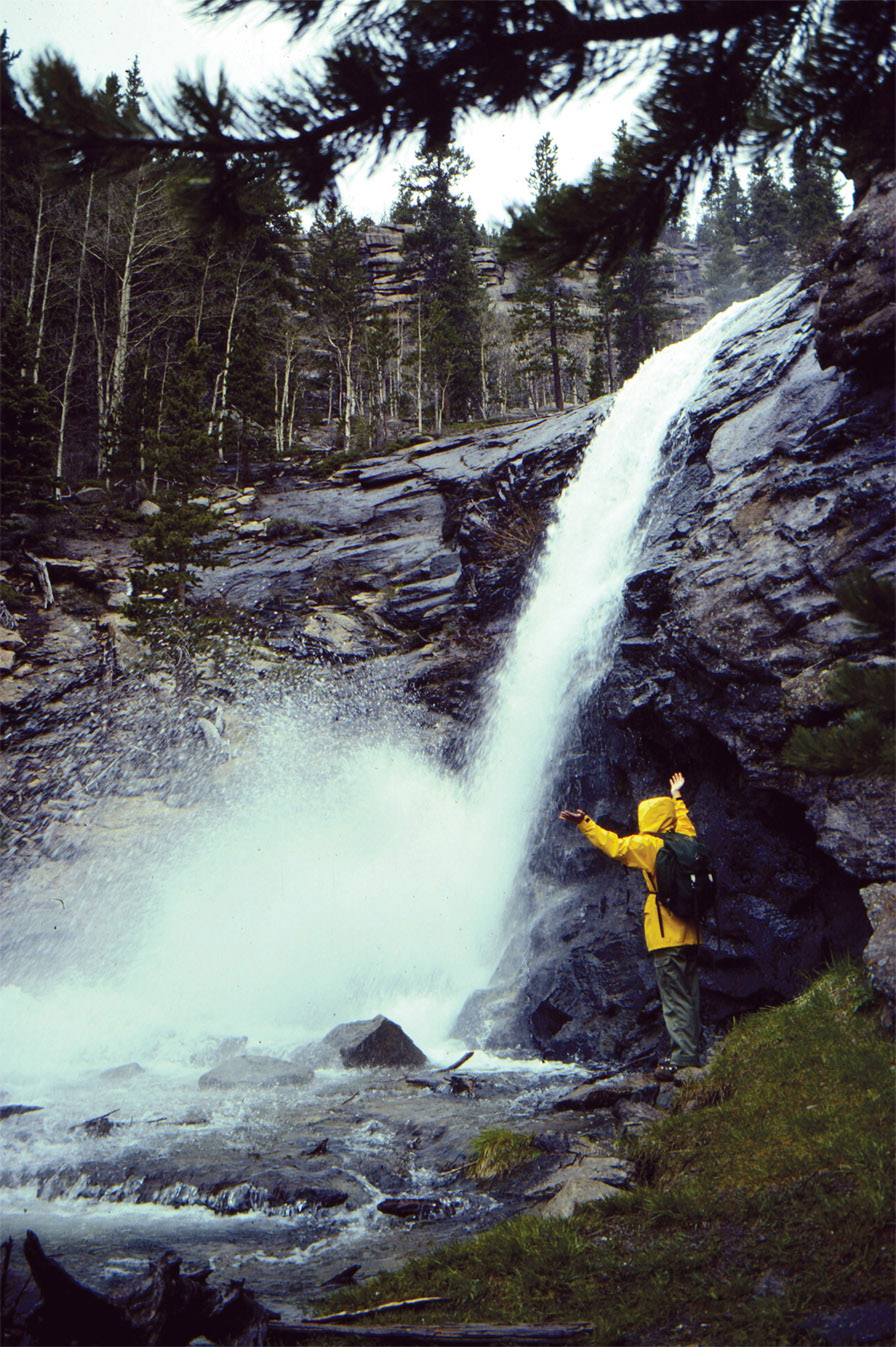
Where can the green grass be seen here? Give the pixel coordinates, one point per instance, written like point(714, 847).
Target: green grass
point(498, 1152)
point(765, 1197)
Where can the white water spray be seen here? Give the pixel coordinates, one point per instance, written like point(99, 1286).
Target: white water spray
point(348, 874)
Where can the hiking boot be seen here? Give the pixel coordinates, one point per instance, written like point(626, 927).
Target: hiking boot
point(664, 1070)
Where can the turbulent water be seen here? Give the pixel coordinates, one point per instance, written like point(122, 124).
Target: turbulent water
point(342, 871)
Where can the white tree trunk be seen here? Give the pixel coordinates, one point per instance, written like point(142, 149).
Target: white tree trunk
point(73, 349)
point(119, 361)
point(35, 253)
point(41, 325)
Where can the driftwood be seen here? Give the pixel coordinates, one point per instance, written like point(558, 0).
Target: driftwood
point(165, 1306)
point(16, 1110)
point(39, 569)
point(174, 1308)
point(443, 1077)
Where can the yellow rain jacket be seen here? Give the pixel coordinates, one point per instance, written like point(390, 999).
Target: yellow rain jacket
point(661, 815)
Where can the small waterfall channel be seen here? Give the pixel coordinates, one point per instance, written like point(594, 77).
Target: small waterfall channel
point(345, 874)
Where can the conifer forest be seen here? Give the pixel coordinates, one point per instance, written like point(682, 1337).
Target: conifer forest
point(147, 343)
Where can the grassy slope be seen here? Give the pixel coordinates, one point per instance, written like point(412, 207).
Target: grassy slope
point(765, 1197)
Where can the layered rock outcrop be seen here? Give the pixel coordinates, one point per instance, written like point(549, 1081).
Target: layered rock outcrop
point(776, 484)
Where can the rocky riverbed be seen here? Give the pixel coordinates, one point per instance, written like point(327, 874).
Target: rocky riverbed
point(294, 1188)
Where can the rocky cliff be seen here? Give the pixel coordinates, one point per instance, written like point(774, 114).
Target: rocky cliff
point(777, 482)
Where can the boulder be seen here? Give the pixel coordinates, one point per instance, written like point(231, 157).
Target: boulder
point(92, 495)
point(247, 1071)
point(376, 1042)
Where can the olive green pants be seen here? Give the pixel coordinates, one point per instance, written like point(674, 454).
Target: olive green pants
point(679, 988)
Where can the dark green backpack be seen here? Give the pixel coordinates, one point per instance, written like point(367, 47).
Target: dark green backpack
point(685, 877)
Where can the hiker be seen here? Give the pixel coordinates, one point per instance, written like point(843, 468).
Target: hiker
point(672, 940)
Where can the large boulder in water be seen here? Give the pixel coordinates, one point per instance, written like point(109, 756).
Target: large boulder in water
point(376, 1042)
point(247, 1071)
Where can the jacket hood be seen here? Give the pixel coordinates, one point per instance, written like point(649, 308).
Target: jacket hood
point(657, 815)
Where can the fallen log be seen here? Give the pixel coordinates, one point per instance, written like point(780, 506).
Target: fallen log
point(444, 1335)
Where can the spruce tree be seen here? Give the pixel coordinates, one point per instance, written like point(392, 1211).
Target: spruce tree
point(545, 314)
point(815, 203)
point(26, 416)
point(335, 291)
point(438, 261)
point(770, 253)
point(862, 741)
point(177, 540)
point(723, 232)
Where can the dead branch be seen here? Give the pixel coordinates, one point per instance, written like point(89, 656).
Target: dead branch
point(39, 568)
point(375, 1309)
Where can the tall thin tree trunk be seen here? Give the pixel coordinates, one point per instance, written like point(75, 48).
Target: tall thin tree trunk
point(118, 364)
point(419, 367)
point(555, 351)
point(292, 418)
point(200, 307)
point(35, 253)
point(228, 352)
point(155, 470)
point(41, 325)
point(73, 349)
point(348, 409)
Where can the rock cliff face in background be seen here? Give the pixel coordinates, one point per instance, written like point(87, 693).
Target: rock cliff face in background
point(778, 482)
point(680, 276)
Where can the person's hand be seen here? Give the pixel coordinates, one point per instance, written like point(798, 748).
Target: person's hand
point(676, 781)
point(573, 815)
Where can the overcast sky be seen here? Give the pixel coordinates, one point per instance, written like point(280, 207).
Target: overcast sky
point(102, 37)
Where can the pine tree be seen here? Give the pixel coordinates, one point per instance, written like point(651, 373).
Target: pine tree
point(633, 301)
point(725, 79)
point(863, 740)
point(250, 392)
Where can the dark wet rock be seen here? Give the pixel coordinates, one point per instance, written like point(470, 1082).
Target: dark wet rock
point(413, 1208)
point(776, 484)
point(368, 1043)
point(856, 320)
point(873, 1323)
point(597, 1094)
point(247, 1071)
point(16, 1110)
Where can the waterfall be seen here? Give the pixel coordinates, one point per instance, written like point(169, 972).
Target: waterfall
point(345, 873)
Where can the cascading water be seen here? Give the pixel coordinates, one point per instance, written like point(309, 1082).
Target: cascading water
point(344, 873)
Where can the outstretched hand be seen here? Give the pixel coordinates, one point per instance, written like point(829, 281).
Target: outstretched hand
point(572, 815)
point(676, 781)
